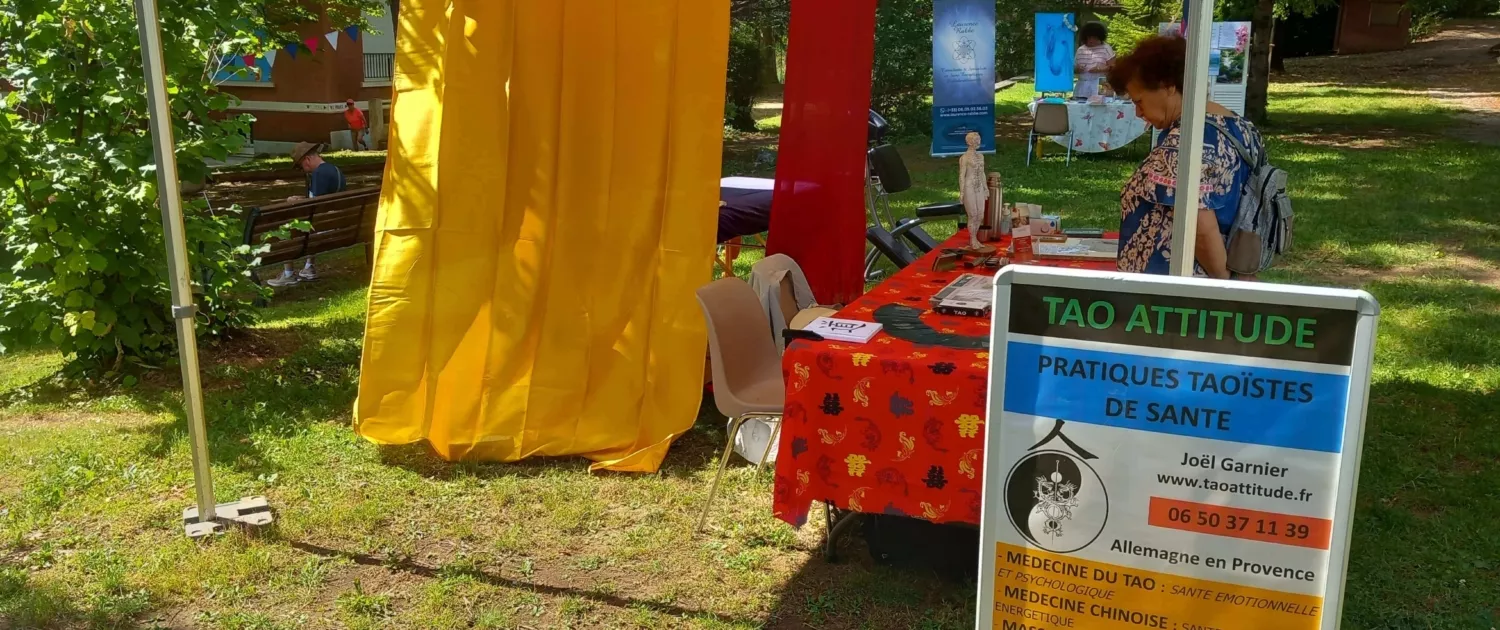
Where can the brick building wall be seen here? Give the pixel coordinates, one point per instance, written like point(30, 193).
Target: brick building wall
point(303, 101)
point(1372, 26)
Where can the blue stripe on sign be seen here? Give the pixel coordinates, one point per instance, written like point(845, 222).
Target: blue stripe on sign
point(1286, 408)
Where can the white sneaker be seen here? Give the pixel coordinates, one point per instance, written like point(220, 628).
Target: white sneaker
point(308, 273)
point(286, 279)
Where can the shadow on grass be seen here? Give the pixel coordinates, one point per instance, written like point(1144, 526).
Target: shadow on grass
point(1437, 323)
point(1379, 209)
point(1423, 553)
point(24, 604)
point(698, 448)
point(930, 584)
point(492, 579)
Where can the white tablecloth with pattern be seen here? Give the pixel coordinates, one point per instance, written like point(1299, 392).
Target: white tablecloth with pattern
point(1103, 127)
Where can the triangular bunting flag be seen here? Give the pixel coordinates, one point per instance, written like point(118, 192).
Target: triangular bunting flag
point(311, 43)
point(271, 57)
point(353, 33)
point(333, 39)
point(249, 60)
point(291, 49)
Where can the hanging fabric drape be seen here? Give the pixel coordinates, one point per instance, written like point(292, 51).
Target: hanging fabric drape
point(549, 208)
point(818, 212)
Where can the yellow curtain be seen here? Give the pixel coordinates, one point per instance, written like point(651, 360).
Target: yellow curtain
point(549, 209)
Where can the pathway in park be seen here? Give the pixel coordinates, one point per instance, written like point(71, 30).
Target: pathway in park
point(1458, 66)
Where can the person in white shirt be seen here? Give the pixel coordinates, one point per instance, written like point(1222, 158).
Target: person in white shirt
point(1092, 60)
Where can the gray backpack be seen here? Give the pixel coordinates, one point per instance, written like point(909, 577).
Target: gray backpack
point(1263, 227)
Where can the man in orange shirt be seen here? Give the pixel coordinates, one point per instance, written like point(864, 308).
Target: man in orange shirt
point(356, 121)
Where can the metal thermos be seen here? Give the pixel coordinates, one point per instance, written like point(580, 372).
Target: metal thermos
point(995, 215)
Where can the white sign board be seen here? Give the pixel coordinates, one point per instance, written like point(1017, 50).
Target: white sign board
point(1166, 452)
point(1228, 61)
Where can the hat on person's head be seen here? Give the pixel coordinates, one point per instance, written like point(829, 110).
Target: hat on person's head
point(302, 150)
point(349, 102)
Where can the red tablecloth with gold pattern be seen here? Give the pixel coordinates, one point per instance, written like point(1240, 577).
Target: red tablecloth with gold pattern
point(889, 426)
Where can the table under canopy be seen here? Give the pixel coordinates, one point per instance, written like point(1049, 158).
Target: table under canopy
point(891, 426)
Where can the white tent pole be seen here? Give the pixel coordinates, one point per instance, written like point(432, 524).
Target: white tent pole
point(170, 196)
point(204, 518)
point(1200, 17)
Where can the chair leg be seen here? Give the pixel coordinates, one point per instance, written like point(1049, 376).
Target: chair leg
point(1069, 161)
point(713, 490)
point(1030, 141)
point(732, 252)
point(775, 433)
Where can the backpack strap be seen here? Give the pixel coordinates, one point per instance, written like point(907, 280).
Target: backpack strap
point(1244, 152)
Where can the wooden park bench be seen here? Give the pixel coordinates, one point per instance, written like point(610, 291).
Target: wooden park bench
point(339, 220)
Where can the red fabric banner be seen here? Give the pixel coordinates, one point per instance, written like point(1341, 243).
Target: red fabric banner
point(818, 212)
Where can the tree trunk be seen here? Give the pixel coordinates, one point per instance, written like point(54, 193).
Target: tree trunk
point(1278, 55)
point(767, 83)
point(395, 19)
point(1262, 27)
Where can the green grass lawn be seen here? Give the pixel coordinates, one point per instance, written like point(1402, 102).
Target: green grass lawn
point(92, 483)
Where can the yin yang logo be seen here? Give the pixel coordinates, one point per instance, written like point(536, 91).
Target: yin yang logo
point(1056, 501)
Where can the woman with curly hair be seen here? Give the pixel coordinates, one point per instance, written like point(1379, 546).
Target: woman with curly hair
point(1092, 59)
point(1152, 75)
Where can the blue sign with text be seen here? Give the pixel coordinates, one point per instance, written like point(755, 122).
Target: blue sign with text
point(963, 75)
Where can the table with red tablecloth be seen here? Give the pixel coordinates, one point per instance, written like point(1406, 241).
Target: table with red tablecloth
point(890, 426)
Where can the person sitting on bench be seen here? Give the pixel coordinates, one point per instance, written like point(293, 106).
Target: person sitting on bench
point(323, 178)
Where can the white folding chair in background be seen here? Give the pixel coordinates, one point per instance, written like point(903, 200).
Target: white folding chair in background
point(1050, 119)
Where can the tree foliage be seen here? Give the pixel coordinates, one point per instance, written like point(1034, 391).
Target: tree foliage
point(756, 37)
point(1427, 15)
point(743, 78)
point(1137, 20)
point(901, 84)
point(82, 258)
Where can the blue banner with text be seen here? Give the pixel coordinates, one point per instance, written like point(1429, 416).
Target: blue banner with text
point(963, 75)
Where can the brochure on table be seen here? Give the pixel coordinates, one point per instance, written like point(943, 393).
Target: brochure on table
point(850, 330)
point(1228, 61)
point(1167, 452)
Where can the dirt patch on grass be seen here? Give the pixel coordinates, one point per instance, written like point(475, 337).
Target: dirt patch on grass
point(34, 419)
point(1455, 67)
point(1455, 266)
point(1367, 139)
point(254, 348)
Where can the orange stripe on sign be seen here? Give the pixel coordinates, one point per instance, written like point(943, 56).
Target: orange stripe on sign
point(1230, 522)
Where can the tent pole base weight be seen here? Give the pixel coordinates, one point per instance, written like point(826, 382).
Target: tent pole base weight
point(249, 511)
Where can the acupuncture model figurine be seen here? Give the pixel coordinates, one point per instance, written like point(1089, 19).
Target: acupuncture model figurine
point(973, 191)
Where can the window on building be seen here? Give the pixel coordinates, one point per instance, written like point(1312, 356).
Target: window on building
point(379, 43)
point(1386, 13)
point(379, 66)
